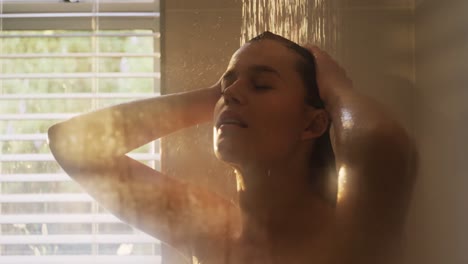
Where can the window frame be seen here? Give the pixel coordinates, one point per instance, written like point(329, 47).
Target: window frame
point(143, 15)
point(17, 16)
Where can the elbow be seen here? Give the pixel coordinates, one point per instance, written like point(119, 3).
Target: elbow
point(76, 149)
point(58, 145)
point(52, 135)
point(66, 146)
point(397, 148)
point(396, 137)
point(388, 145)
point(67, 155)
point(385, 138)
point(67, 150)
point(53, 139)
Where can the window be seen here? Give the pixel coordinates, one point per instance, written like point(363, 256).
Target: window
point(59, 59)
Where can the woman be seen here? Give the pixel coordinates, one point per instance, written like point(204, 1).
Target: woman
point(271, 127)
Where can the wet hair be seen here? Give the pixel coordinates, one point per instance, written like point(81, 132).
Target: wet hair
point(323, 158)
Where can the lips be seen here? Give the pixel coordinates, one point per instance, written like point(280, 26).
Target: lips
point(230, 118)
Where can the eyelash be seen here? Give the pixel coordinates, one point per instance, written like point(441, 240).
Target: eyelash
point(257, 87)
point(262, 87)
point(223, 89)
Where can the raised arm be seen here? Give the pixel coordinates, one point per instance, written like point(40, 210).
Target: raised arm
point(376, 160)
point(91, 148)
point(114, 131)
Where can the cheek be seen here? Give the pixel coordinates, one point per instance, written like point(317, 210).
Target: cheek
point(282, 112)
point(280, 127)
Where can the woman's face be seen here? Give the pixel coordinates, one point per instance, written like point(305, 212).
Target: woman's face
point(263, 90)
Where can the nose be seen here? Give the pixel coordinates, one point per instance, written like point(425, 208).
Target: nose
point(233, 95)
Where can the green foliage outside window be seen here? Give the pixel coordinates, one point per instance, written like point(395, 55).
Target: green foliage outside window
point(26, 86)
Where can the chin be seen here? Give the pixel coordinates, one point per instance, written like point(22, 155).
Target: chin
point(225, 154)
point(229, 154)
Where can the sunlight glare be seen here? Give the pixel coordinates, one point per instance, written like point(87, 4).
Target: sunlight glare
point(342, 179)
point(346, 119)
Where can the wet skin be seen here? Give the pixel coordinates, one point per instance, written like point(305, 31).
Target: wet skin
point(277, 206)
point(279, 217)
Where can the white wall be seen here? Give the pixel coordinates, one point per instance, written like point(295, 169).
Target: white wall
point(437, 225)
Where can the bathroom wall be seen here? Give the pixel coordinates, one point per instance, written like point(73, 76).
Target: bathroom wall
point(438, 231)
point(199, 38)
point(377, 52)
point(409, 55)
point(413, 58)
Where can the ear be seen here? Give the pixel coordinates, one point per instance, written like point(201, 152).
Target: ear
point(316, 123)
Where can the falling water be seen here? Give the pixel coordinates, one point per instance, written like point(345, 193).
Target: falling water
point(302, 21)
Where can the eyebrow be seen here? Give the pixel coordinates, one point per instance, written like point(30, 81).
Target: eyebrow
point(263, 68)
point(256, 69)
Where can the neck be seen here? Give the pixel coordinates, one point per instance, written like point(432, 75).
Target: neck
point(278, 201)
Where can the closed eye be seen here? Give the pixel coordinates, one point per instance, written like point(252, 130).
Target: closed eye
point(223, 87)
point(262, 87)
point(227, 80)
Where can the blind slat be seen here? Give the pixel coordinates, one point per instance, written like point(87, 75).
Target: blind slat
point(50, 157)
point(23, 137)
point(80, 259)
point(86, 35)
point(76, 239)
point(57, 218)
point(44, 116)
point(80, 14)
point(76, 96)
point(39, 177)
point(86, 75)
point(79, 55)
point(45, 198)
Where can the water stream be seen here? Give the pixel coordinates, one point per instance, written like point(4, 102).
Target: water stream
point(303, 21)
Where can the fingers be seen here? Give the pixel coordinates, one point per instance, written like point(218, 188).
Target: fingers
point(323, 59)
point(314, 49)
point(317, 52)
point(329, 73)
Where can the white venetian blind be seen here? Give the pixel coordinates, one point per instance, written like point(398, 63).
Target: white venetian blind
point(59, 59)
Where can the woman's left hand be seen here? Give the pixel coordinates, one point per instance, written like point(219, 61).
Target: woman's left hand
point(331, 77)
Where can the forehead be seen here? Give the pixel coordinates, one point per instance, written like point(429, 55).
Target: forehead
point(265, 52)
